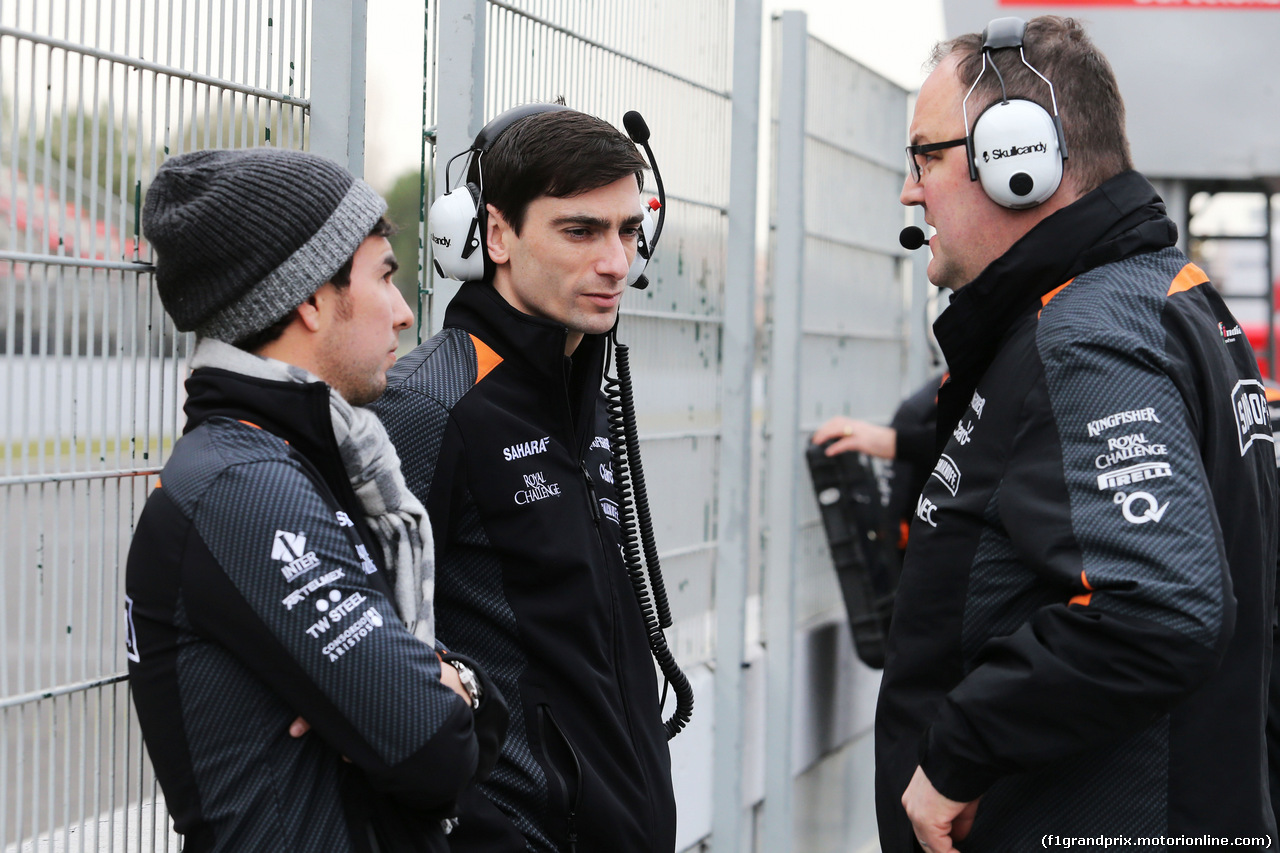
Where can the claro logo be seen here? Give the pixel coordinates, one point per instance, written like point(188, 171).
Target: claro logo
point(1013, 151)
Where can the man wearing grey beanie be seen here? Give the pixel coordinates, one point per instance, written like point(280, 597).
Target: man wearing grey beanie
point(279, 586)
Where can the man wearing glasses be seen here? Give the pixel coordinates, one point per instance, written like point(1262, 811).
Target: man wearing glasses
point(1082, 633)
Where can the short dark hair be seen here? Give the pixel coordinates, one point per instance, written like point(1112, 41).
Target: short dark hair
point(561, 153)
point(341, 280)
point(1088, 96)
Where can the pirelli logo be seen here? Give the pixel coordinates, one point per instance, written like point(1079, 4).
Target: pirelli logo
point(1124, 477)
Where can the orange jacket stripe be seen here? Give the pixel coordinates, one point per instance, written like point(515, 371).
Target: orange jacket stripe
point(1044, 300)
point(486, 359)
point(1084, 599)
point(1188, 277)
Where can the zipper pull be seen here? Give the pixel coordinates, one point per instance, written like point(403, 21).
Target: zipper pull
point(591, 494)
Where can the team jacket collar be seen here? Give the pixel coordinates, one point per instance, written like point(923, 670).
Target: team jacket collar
point(1119, 219)
point(520, 338)
point(296, 412)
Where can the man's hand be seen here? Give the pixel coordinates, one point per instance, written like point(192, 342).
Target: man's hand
point(854, 435)
point(935, 819)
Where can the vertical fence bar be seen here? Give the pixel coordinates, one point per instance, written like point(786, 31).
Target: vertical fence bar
point(460, 76)
point(337, 81)
point(784, 419)
point(734, 488)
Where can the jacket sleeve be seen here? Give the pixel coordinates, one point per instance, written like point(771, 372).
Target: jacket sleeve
point(278, 577)
point(1105, 499)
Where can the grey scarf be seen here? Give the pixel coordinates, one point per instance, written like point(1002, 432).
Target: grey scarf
point(394, 514)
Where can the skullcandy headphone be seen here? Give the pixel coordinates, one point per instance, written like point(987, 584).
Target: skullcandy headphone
point(1016, 148)
point(456, 222)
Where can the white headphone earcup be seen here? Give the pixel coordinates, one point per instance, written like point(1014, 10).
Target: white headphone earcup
point(453, 227)
point(1016, 154)
point(641, 259)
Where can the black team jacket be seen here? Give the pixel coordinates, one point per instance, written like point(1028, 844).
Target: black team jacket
point(1082, 633)
point(255, 594)
point(504, 440)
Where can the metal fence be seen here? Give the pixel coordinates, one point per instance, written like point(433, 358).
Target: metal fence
point(839, 303)
point(93, 97)
point(95, 93)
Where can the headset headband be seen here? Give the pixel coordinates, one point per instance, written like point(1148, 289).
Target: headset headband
point(490, 132)
point(999, 34)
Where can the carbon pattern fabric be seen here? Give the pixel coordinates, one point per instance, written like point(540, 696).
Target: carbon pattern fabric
point(238, 517)
point(1002, 593)
point(474, 574)
point(1085, 615)
point(254, 599)
point(1107, 343)
point(429, 413)
point(228, 706)
point(1078, 797)
point(417, 401)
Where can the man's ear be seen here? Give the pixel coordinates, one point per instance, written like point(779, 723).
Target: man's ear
point(309, 310)
point(497, 236)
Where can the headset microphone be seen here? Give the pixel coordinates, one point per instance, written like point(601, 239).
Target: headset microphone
point(911, 237)
point(649, 235)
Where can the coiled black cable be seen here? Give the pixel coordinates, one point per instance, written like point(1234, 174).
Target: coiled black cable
point(637, 533)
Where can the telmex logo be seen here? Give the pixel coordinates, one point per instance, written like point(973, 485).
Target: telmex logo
point(1014, 151)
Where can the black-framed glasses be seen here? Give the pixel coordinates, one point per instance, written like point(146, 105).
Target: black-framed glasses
point(915, 151)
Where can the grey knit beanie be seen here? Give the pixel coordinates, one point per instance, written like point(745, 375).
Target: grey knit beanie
point(242, 237)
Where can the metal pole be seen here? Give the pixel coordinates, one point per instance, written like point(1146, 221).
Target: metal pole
point(734, 488)
point(1270, 287)
point(338, 81)
point(784, 423)
point(459, 108)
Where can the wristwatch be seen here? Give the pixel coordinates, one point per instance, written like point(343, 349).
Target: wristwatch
point(470, 683)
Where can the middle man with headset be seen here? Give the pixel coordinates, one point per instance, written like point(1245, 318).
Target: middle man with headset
point(500, 424)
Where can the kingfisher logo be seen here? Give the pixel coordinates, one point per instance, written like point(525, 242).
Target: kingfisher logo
point(1014, 151)
point(1253, 422)
point(291, 549)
